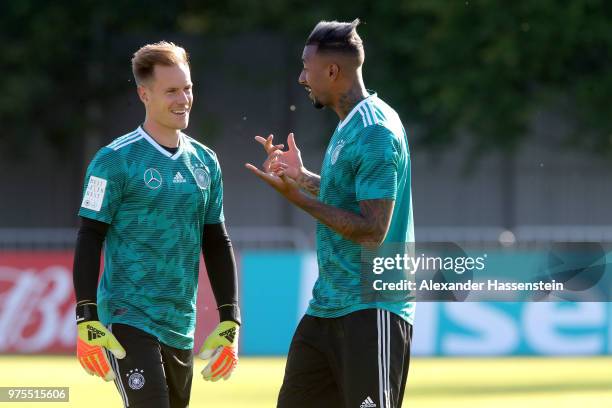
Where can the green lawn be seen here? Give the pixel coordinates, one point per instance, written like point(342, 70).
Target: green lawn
point(448, 383)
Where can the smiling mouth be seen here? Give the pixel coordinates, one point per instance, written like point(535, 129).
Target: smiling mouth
point(181, 112)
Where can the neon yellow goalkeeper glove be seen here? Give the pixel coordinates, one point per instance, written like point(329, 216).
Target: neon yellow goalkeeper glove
point(92, 338)
point(221, 347)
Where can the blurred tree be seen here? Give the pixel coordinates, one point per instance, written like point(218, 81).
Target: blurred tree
point(60, 65)
point(475, 68)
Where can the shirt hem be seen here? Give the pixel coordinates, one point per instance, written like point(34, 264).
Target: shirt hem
point(350, 309)
point(150, 331)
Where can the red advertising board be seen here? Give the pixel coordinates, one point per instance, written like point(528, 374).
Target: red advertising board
point(37, 303)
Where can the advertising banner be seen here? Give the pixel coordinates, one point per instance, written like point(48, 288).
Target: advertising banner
point(277, 288)
point(37, 303)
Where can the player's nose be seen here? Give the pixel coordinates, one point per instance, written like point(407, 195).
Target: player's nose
point(183, 98)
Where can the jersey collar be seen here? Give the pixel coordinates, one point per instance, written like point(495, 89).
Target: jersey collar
point(355, 109)
point(161, 149)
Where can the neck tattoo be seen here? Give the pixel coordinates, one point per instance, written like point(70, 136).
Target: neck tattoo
point(348, 100)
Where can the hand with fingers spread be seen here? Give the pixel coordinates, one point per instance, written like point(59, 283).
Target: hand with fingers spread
point(272, 150)
point(281, 162)
point(283, 184)
point(268, 144)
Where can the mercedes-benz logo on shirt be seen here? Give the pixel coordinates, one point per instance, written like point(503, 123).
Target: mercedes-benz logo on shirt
point(152, 178)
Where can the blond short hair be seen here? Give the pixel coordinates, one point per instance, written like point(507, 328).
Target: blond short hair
point(161, 53)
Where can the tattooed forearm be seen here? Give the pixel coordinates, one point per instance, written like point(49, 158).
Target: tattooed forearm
point(309, 182)
point(369, 227)
point(378, 213)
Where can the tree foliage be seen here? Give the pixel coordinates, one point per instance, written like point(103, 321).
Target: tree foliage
point(476, 68)
point(60, 62)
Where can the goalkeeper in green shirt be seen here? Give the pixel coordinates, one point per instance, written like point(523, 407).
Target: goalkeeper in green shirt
point(155, 198)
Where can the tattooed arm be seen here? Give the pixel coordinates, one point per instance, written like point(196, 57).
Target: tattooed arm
point(368, 227)
point(309, 182)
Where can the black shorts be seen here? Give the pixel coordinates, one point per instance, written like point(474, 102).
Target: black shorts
point(152, 374)
point(355, 361)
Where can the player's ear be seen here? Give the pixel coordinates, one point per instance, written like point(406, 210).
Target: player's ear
point(142, 94)
point(332, 71)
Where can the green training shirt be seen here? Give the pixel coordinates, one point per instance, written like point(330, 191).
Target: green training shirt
point(156, 204)
point(367, 158)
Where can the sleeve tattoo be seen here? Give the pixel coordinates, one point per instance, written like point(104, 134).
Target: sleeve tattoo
point(370, 226)
point(309, 182)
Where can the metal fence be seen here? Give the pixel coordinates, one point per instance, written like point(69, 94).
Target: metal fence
point(295, 238)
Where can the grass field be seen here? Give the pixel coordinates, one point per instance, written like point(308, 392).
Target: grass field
point(456, 383)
